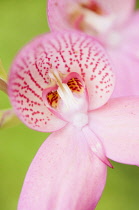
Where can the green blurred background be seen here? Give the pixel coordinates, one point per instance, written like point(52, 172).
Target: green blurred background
point(20, 21)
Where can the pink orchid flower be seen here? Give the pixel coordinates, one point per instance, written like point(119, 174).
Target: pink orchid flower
point(114, 24)
point(61, 83)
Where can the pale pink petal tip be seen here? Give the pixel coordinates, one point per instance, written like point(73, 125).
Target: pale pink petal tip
point(96, 145)
point(63, 176)
point(65, 52)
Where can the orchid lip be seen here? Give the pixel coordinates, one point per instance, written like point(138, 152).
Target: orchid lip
point(83, 67)
point(67, 98)
point(63, 90)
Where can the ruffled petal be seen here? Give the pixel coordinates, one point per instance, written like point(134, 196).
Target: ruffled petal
point(64, 175)
point(65, 52)
point(117, 125)
point(59, 11)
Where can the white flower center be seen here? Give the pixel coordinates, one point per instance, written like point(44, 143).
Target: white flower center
point(67, 98)
point(80, 120)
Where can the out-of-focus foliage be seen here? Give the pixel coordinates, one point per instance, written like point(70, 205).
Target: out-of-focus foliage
point(3, 79)
point(8, 118)
point(20, 21)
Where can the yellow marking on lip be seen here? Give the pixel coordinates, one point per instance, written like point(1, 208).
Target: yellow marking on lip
point(52, 98)
point(75, 85)
point(63, 91)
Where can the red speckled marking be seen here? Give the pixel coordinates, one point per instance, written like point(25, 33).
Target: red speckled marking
point(66, 52)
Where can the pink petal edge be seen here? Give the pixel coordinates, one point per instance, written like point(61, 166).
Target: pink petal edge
point(117, 124)
point(63, 175)
point(126, 73)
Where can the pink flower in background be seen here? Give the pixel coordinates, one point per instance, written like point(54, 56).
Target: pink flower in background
point(61, 83)
point(115, 24)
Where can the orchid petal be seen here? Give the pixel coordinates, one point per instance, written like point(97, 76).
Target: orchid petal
point(127, 55)
point(64, 175)
point(58, 11)
point(126, 73)
point(130, 34)
point(65, 52)
point(117, 125)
